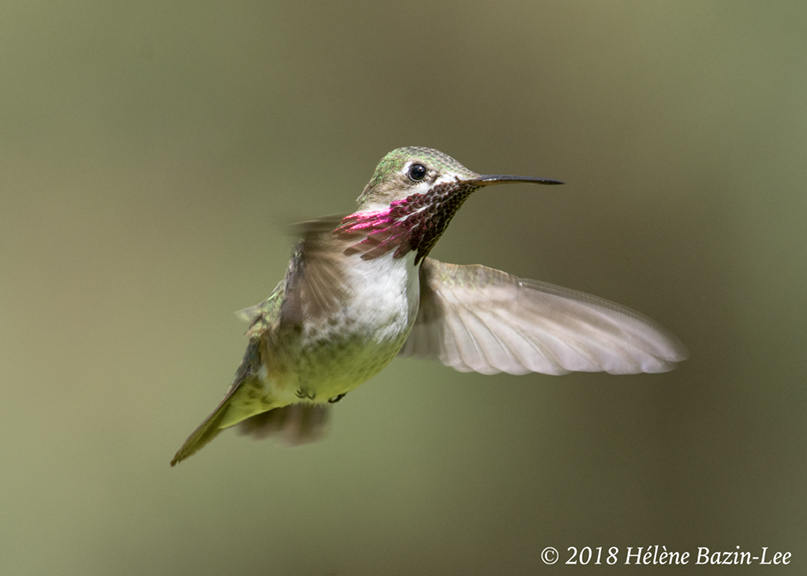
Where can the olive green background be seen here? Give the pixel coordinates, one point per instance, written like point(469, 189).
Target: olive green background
point(151, 155)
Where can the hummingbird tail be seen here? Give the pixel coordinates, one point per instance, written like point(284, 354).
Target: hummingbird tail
point(293, 425)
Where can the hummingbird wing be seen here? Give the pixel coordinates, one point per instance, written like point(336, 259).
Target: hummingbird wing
point(312, 288)
point(315, 282)
point(242, 400)
point(475, 318)
point(310, 292)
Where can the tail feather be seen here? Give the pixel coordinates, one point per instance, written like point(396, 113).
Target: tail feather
point(294, 424)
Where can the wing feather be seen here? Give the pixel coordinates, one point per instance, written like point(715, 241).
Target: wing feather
point(475, 318)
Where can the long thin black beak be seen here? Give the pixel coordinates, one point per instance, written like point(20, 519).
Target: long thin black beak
point(493, 179)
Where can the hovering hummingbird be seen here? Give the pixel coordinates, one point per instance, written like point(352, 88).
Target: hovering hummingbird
point(360, 290)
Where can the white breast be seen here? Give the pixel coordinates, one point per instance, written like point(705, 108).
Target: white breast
point(385, 292)
point(358, 340)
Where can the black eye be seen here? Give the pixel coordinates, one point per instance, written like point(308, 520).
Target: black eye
point(417, 172)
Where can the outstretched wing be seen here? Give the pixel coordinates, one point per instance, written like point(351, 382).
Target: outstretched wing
point(475, 318)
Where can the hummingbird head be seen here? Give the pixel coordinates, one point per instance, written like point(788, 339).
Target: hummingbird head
point(410, 200)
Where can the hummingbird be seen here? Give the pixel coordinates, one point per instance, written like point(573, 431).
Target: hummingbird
point(360, 290)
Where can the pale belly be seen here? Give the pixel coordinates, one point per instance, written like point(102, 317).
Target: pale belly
point(350, 347)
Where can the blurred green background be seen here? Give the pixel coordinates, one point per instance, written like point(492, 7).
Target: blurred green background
point(151, 154)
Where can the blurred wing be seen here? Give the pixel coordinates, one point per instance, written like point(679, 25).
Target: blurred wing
point(313, 287)
point(311, 291)
point(475, 318)
point(315, 281)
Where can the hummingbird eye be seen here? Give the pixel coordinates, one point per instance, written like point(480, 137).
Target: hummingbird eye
point(417, 172)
